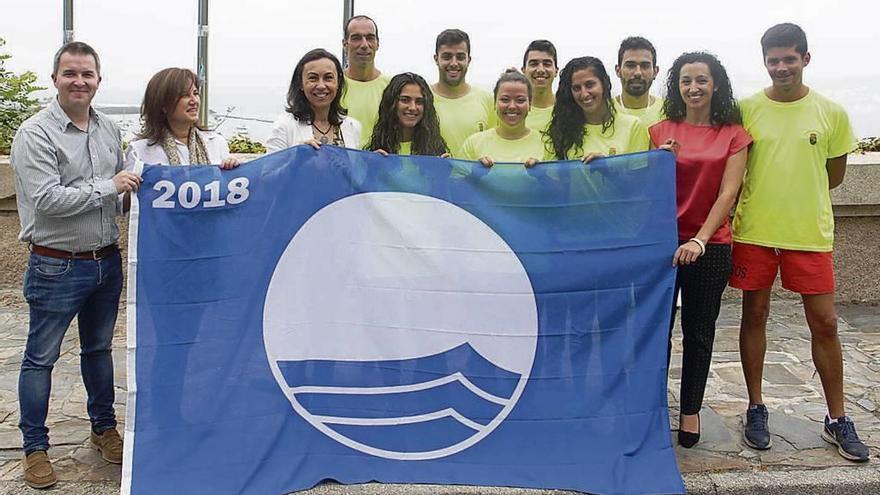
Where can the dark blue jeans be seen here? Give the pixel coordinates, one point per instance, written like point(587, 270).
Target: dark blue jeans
point(57, 290)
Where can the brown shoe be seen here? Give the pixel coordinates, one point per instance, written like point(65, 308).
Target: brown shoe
point(38, 472)
point(109, 444)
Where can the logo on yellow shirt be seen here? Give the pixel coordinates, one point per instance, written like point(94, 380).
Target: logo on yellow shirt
point(612, 151)
point(814, 137)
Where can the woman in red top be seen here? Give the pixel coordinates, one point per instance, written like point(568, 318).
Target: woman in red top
point(704, 129)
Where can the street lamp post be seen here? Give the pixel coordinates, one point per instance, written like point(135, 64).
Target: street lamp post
point(67, 36)
point(347, 12)
point(202, 64)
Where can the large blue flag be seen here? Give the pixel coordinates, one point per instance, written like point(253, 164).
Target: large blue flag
point(337, 314)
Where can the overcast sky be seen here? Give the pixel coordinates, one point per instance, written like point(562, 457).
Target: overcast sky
point(255, 44)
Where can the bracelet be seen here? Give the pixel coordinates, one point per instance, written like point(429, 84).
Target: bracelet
point(699, 243)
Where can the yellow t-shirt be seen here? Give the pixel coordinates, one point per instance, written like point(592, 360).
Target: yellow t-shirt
point(463, 116)
point(509, 176)
point(405, 148)
point(649, 115)
point(627, 135)
point(785, 202)
point(489, 143)
point(362, 101)
point(539, 118)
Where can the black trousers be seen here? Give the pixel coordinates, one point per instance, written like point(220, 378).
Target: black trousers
point(701, 285)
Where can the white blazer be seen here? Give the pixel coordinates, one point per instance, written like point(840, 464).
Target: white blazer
point(287, 132)
point(153, 154)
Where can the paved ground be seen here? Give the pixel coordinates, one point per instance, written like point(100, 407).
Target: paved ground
point(799, 463)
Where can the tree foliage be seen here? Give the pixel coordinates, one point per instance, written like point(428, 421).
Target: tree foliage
point(17, 102)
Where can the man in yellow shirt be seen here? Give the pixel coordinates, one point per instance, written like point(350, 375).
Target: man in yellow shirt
point(462, 109)
point(637, 68)
point(364, 83)
point(540, 66)
point(784, 224)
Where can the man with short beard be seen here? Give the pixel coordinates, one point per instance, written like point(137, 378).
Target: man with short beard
point(637, 68)
point(364, 83)
point(462, 109)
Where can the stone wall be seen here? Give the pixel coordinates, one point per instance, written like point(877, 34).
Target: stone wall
point(856, 210)
point(857, 224)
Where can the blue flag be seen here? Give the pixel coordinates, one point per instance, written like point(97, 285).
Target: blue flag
point(337, 314)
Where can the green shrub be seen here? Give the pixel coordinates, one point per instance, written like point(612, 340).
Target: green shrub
point(869, 144)
point(16, 101)
point(244, 144)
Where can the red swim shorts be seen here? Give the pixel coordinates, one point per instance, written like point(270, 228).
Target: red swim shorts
point(804, 272)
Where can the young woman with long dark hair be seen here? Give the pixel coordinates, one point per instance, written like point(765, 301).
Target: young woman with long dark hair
point(407, 123)
point(585, 124)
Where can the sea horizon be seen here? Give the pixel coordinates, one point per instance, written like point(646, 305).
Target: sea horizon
point(240, 112)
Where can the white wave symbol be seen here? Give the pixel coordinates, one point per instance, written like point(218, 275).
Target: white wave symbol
point(401, 389)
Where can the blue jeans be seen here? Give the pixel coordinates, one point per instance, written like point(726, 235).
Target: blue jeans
point(57, 290)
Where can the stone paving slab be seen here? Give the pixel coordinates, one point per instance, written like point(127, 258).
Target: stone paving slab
point(720, 463)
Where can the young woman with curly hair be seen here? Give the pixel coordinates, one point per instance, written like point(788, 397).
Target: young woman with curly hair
point(585, 124)
point(407, 123)
point(704, 129)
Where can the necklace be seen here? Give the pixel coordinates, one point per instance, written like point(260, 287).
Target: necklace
point(323, 139)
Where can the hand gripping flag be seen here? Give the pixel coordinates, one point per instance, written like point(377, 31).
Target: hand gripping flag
point(337, 314)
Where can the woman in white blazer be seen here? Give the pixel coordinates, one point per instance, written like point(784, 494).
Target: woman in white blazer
point(315, 115)
point(170, 134)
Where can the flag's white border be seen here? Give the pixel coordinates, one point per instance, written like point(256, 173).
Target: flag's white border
point(131, 346)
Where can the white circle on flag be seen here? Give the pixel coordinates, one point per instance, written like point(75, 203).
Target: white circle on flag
point(396, 278)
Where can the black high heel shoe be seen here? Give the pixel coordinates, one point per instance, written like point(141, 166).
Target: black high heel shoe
point(687, 439)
